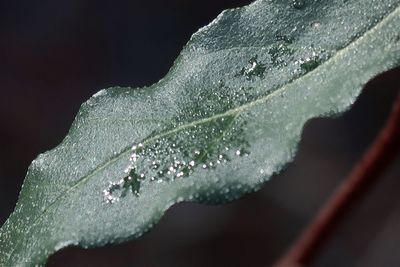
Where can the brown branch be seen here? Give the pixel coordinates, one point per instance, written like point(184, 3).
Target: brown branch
point(382, 152)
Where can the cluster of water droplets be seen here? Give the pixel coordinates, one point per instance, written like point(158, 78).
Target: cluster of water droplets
point(281, 52)
point(312, 59)
point(179, 155)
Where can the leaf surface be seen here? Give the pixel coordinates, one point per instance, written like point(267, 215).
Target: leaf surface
point(227, 116)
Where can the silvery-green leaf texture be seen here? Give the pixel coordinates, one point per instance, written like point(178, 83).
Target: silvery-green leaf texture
point(228, 116)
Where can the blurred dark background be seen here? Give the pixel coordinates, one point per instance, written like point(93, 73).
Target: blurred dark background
point(55, 54)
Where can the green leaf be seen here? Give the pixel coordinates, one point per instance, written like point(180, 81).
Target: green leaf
point(228, 115)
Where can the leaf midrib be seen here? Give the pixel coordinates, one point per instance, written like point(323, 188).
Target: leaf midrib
point(233, 111)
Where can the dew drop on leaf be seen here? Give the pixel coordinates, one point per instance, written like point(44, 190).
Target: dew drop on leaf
point(298, 4)
point(316, 24)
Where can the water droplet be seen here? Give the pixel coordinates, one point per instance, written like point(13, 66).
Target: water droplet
point(298, 4)
point(316, 24)
point(155, 165)
point(253, 69)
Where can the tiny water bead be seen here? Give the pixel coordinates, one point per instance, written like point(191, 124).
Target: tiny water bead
point(177, 156)
point(298, 4)
point(316, 25)
point(253, 69)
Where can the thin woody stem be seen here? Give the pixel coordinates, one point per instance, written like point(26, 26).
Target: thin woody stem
point(379, 156)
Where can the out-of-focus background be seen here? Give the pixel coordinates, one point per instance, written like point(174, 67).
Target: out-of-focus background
point(55, 54)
